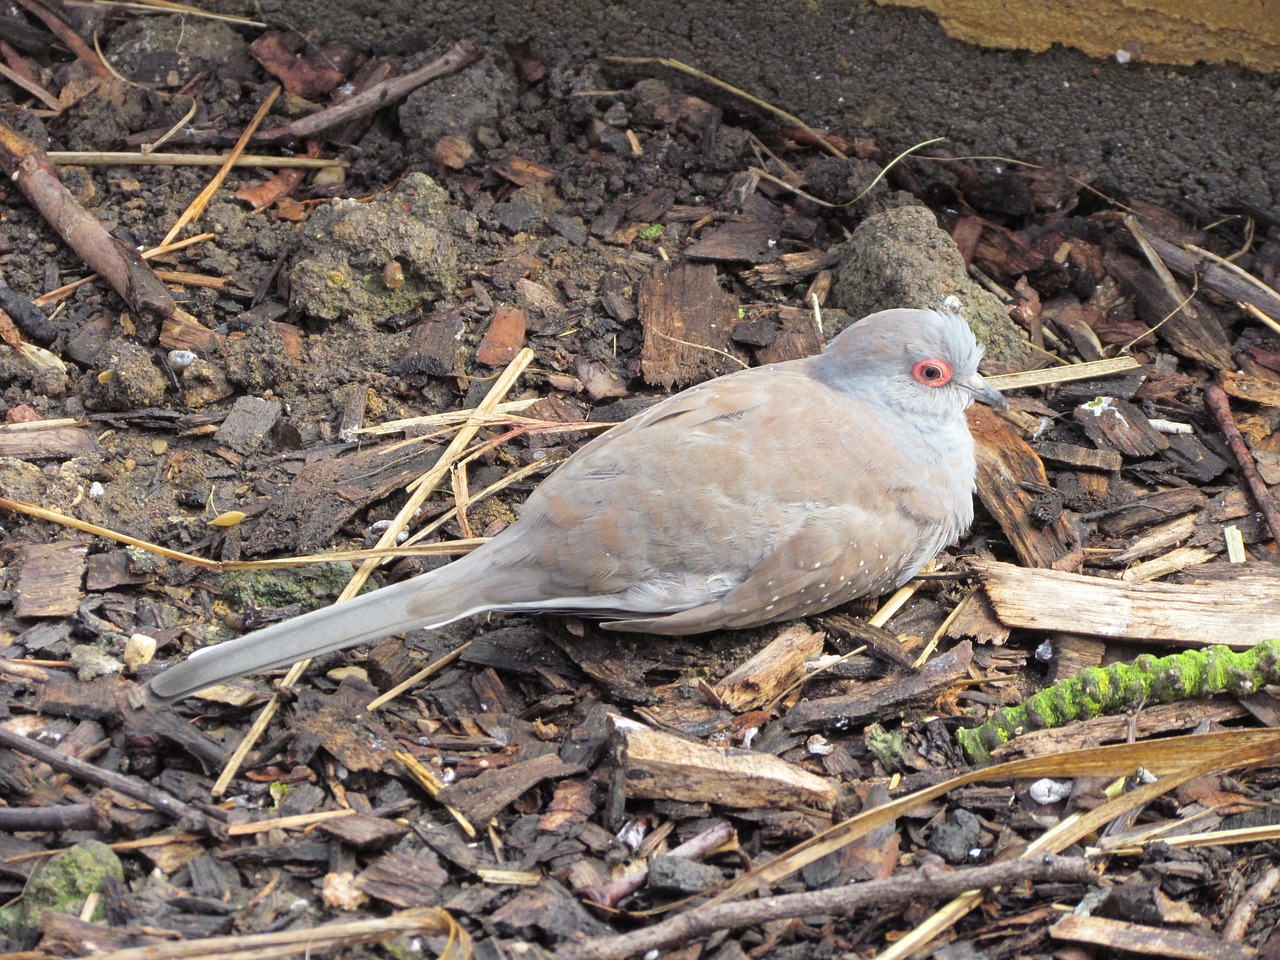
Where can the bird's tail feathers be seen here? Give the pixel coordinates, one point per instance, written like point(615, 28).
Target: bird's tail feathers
point(431, 600)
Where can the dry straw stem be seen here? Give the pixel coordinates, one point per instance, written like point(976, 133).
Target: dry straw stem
point(1128, 846)
point(765, 175)
point(200, 202)
point(428, 671)
point(1177, 758)
point(1074, 371)
point(165, 6)
point(422, 488)
point(1196, 756)
point(737, 92)
point(341, 937)
point(433, 785)
point(98, 158)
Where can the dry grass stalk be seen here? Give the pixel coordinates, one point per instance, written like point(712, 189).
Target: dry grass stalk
point(422, 488)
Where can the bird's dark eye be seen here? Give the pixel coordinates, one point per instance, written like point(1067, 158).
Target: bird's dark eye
point(932, 372)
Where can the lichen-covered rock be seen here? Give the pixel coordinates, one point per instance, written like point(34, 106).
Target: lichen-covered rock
point(347, 246)
point(902, 258)
point(61, 885)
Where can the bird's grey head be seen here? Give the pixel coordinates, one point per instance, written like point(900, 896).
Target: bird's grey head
point(923, 361)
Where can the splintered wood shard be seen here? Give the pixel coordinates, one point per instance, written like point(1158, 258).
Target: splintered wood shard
point(1239, 612)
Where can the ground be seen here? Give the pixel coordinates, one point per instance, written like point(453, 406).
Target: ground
point(612, 217)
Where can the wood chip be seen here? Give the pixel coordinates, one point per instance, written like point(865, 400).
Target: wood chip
point(1113, 423)
point(661, 766)
point(772, 670)
point(1008, 470)
point(248, 423)
point(1238, 612)
point(482, 796)
point(687, 320)
point(46, 440)
point(879, 698)
point(404, 879)
point(1163, 942)
point(49, 579)
point(364, 832)
point(504, 338)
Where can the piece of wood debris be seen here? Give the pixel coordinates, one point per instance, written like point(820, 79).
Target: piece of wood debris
point(1162, 942)
point(879, 698)
point(404, 879)
point(49, 579)
point(60, 439)
point(771, 671)
point(248, 423)
point(364, 832)
point(1070, 455)
point(1146, 511)
point(1183, 323)
point(1253, 388)
point(484, 795)
point(1008, 471)
point(687, 319)
point(433, 344)
point(1153, 720)
point(1114, 423)
point(1175, 561)
point(1239, 612)
point(660, 766)
point(749, 241)
point(504, 337)
point(799, 337)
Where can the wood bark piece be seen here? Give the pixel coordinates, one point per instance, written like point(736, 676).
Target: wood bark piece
point(1216, 275)
point(1192, 335)
point(433, 344)
point(49, 579)
point(1008, 469)
point(661, 766)
point(1111, 422)
point(250, 420)
point(364, 832)
point(119, 264)
point(1255, 389)
point(881, 697)
point(481, 797)
point(305, 517)
point(684, 312)
point(1238, 612)
point(46, 440)
point(1153, 720)
point(749, 241)
point(1144, 940)
point(799, 337)
point(1070, 455)
point(772, 670)
point(504, 338)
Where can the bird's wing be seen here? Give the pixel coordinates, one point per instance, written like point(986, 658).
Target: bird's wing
point(839, 553)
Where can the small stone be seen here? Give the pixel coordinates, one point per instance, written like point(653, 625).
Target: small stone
point(139, 649)
point(680, 875)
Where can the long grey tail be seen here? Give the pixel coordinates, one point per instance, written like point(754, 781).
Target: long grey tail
point(450, 593)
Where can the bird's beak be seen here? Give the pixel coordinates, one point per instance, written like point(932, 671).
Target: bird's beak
point(983, 392)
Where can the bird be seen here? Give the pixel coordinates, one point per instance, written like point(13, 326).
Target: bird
point(769, 494)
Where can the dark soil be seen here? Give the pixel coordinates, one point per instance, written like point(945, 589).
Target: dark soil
point(524, 200)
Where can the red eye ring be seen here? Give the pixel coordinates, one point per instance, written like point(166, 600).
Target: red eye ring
point(932, 372)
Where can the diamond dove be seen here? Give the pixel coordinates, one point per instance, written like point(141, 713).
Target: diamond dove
point(765, 495)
